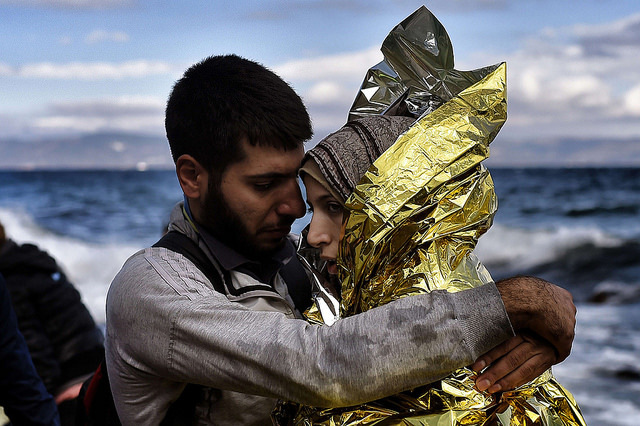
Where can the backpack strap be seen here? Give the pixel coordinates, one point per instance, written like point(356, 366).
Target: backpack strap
point(180, 243)
point(298, 284)
point(293, 273)
point(95, 405)
point(182, 411)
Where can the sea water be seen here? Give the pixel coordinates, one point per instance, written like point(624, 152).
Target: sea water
point(578, 228)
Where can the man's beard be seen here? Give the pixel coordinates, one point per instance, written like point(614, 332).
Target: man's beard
point(225, 224)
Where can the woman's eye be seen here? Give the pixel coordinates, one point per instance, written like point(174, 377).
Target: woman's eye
point(334, 208)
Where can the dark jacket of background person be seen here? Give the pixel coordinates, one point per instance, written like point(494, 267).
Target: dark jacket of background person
point(22, 393)
point(63, 339)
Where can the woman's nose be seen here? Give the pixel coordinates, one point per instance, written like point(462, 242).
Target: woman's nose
point(317, 236)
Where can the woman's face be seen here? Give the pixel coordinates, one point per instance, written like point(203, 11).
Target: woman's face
point(326, 222)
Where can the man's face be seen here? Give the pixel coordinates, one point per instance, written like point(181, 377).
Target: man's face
point(257, 201)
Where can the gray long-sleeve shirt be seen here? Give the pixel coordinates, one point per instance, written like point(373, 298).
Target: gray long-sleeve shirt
point(167, 326)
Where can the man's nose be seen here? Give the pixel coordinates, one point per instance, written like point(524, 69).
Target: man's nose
point(292, 203)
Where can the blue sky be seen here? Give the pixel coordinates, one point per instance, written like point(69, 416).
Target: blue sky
point(84, 66)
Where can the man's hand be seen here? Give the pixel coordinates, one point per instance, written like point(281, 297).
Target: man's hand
point(513, 363)
point(544, 308)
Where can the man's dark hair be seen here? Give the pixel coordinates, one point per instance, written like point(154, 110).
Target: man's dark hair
point(223, 99)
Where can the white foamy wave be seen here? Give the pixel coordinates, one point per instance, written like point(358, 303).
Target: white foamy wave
point(520, 249)
point(604, 411)
point(90, 267)
point(603, 354)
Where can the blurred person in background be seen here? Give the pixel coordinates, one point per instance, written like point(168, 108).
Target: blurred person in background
point(63, 339)
point(22, 393)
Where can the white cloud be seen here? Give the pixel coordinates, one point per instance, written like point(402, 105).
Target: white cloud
point(61, 123)
point(577, 85)
point(325, 92)
point(6, 70)
point(93, 70)
point(329, 84)
point(632, 101)
point(124, 105)
point(55, 124)
point(134, 114)
point(625, 31)
point(98, 36)
point(561, 92)
point(343, 66)
point(562, 83)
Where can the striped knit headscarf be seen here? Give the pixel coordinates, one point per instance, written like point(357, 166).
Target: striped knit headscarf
point(339, 161)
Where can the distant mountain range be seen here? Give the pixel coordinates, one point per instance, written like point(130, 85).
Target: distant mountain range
point(136, 151)
point(536, 151)
point(95, 151)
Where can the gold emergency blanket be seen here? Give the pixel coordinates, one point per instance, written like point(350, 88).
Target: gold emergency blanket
point(414, 220)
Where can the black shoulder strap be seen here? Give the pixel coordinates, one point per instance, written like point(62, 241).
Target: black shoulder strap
point(182, 411)
point(293, 273)
point(180, 243)
point(97, 407)
point(298, 283)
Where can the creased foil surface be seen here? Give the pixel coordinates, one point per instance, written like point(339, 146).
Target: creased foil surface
point(413, 222)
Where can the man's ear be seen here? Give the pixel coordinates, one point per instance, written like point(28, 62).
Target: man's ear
point(193, 178)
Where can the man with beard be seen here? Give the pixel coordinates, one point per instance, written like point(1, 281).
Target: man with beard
point(236, 342)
